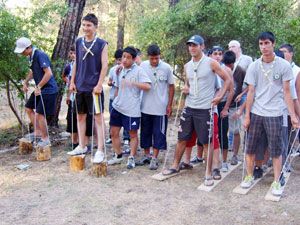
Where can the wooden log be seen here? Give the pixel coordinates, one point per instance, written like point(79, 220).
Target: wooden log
point(43, 153)
point(99, 169)
point(25, 146)
point(77, 163)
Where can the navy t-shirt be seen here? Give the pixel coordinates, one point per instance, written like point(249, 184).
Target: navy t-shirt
point(39, 62)
point(88, 70)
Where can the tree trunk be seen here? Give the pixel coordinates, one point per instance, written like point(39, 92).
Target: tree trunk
point(67, 34)
point(172, 3)
point(121, 24)
point(11, 104)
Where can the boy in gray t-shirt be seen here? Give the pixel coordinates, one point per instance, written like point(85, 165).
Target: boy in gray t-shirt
point(156, 106)
point(268, 79)
point(126, 110)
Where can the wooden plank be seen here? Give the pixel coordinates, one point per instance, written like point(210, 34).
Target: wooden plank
point(270, 197)
point(231, 168)
point(161, 177)
point(243, 191)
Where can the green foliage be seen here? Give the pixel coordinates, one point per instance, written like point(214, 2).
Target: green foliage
point(12, 66)
point(218, 21)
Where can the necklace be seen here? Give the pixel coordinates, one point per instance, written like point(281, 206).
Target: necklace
point(154, 71)
point(267, 72)
point(88, 50)
point(195, 69)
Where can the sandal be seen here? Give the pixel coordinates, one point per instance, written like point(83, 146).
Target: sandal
point(208, 181)
point(170, 171)
point(216, 174)
point(185, 166)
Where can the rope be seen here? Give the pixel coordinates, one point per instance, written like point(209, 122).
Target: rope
point(45, 117)
point(172, 131)
point(103, 127)
point(210, 134)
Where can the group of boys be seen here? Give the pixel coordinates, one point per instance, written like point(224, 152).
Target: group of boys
point(142, 93)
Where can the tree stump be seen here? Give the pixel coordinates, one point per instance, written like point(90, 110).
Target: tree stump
point(77, 163)
point(43, 153)
point(99, 169)
point(25, 146)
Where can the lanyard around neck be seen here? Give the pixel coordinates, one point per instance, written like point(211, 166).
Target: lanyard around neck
point(88, 50)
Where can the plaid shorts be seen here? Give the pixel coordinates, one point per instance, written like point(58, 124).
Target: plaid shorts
point(269, 127)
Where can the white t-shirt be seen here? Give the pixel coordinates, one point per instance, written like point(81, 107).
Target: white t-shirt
point(155, 101)
point(128, 100)
point(267, 78)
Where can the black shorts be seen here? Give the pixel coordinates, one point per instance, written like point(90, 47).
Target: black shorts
point(269, 127)
point(154, 131)
point(89, 121)
point(48, 100)
point(194, 119)
point(85, 103)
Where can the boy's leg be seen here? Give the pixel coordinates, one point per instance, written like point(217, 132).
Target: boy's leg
point(41, 121)
point(189, 147)
point(100, 127)
point(81, 125)
point(115, 137)
point(159, 131)
point(146, 133)
point(29, 108)
point(133, 142)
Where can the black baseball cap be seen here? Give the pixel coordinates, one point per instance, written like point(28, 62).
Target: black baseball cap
point(196, 39)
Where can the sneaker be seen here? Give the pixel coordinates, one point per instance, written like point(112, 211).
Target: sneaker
point(282, 180)
point(99, 157)
point(78, 151)
point(234, 160)
point(89, 149)
point(257, 172)
point(42, 143)
point(115, 160)
point(247, 182)
point(126, 150)
point(208, 181)
point(108, 141)
point(196, 160)
point(130, 162)
point(224, 167)
point(126, 142)
point(153, 164)
point(276, 188)
point(144, 160)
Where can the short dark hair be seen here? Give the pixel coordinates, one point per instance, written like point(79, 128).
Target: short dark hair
point(138, 51)
point(229, 57)
point(266, 35)
point(72, 48)
point(289, 47)
point(279, 53)
point(90, 17)
point(118, 54)
point(130, 50)
point(153, 50)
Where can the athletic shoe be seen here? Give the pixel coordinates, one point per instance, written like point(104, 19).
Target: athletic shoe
point(208, 181)
point(89, 149)
point(144, 160)
point(265, 168)
point(78, 151)
point(126, 142)
point(42, 143)
point(115, 160)
point(108, 141)
point(126, 150)
point(257, 172)
point(153, 164)
point(234, 160)
point(282, 180)
point(247, 182)
point(130, 162)
point(224, 167)
point(99, 157)
point(276, 188)
point(196, 160)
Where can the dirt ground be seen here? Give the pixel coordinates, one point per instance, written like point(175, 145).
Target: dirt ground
point(49, 193)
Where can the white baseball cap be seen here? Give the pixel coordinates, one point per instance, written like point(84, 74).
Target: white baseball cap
point(234, 43)
point(21, 44)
